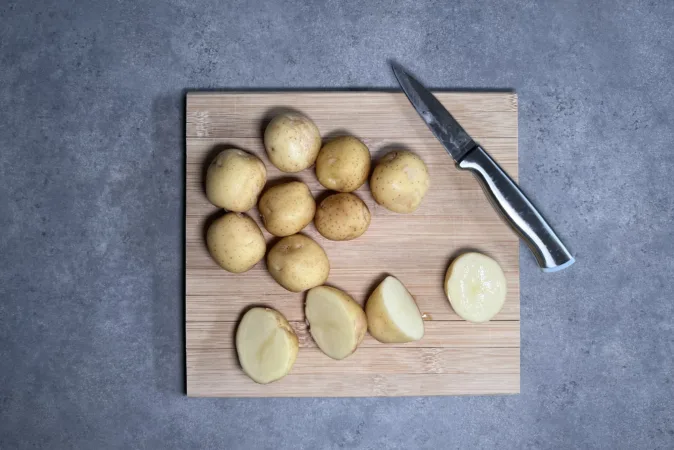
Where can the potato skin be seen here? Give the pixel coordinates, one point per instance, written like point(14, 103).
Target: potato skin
point(235, 242)
point(287, 208)
point(400, 181)
point(234, 180)
point(298, 263)
point(342, 217)
point(343, 164)
point(292, 142)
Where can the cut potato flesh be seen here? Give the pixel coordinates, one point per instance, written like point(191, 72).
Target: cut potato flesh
point(392, 313)
point(266, 344)
point(476, 287)
point(336, 322)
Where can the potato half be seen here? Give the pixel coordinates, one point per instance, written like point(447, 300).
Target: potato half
point(343, 164)
point(475, 286)
point(235, 179)
point(341, 217)
point(287, 208)
point(298, 263)
point(336, 322)
point(392, 313)
point(292, 142)
point(400, 181)
point(235, 242)
point(266, 345)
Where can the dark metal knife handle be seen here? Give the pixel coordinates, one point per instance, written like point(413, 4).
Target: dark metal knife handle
point(518, 211)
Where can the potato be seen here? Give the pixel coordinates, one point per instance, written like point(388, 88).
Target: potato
point(298, 263)
point(392, 313)
point(336, 322)
point(343, 164)
point(400, 181)
point(342, 217)
point(235, 242)
point(287, 208)
point(235, 179)
point(292, 142)
point(475, 286)
point(266, 344)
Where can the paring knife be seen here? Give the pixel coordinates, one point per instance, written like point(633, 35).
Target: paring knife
point(503, 193)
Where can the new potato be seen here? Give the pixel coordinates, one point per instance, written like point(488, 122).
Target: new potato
point(400, 181)
point(292, 142)
point(235, 179)
point(336, 322)
point(343, 164)
point(266, 345)
point(298, 263)
point(342, 217)
point(235, 242)
point(287, 208)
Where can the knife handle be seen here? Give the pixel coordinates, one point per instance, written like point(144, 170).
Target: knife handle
point(518, 211)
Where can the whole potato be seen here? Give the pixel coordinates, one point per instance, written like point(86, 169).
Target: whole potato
point(235, 179)
point(343, 164)
point(287, 208)
point(298, 263)
point(400, 181)
point(235, 242)
point(342, 217)
point(292, 142)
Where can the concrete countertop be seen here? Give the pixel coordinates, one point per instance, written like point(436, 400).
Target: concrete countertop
point(91, 215)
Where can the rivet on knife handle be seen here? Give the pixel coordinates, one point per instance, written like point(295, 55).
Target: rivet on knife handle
point(518, 211)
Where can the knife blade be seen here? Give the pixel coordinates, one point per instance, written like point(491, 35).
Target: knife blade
point(503, 193)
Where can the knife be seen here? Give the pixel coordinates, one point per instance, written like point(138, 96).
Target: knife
point(503, 193)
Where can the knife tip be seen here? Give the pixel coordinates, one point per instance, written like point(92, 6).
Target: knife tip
point(397, 68)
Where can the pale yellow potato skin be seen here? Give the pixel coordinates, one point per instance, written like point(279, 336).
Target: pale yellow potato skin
point(353, 310)
point(298, 263)
point(400, 181)
point(235, 242)
point(283, 325)
point(235, 179)
point(379, 323)
point(292, 142)
point(287, 208)
point(342, 217)
point(343, 164)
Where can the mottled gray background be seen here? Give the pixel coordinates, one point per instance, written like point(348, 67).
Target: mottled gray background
point(91, 214)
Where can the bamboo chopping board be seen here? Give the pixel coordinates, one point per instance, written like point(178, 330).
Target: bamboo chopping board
point(454, 357)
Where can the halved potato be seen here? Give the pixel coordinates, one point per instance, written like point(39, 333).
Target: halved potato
point(475, 286)
point(336, 322)
point(266, 344)
point(392, 313)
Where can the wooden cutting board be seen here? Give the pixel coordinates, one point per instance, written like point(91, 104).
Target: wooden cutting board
point(454, 357)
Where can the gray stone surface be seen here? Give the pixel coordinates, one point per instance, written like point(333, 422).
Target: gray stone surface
point(91, 206)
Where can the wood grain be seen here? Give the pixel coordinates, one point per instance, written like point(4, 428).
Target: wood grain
point(454, 357)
